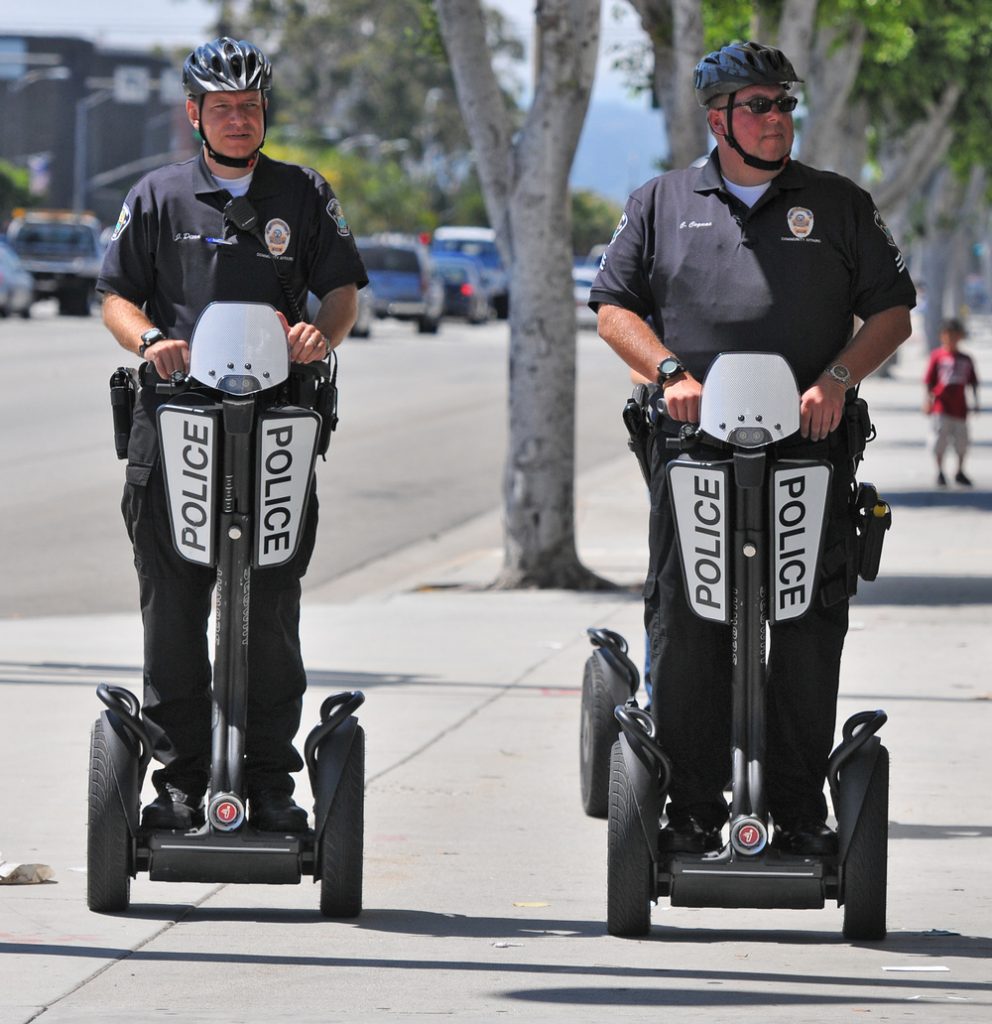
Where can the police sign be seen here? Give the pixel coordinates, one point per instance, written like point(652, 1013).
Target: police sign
point(701, 506)
point(798, 504)
point(188, 441)
point(287, 448)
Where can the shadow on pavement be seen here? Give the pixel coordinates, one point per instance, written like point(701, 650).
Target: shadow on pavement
point(926, 591)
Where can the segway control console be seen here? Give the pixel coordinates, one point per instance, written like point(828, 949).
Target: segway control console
point(238, 451)
point(749, 528)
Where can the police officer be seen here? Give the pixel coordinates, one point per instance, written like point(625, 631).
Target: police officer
point(173, 252)
point(750, 250)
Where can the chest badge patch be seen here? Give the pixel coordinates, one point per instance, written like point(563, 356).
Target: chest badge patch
point(277, 236)
point(800, 221)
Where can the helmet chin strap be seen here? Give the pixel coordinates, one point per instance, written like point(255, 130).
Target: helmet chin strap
point(751, 161)
point(231, 161)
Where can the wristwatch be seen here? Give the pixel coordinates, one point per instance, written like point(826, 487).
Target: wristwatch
point(668, 368)
point(840, 373)
point(149, 338)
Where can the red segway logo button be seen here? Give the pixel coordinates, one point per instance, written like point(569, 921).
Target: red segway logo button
point(226, 812)
point(748, 836)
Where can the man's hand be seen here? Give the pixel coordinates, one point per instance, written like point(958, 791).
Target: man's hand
point(169, 356)
point(821, 408)
point(682, 399)
point(306, 343)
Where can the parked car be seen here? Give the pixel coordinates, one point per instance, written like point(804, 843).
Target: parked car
point(16, 284)
point(465, 291)
point(62, 250)
point(582, 279)
point(403, 281)
point(479, 243)
point(362, 327)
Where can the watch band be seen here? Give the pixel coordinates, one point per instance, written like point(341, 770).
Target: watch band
point(840, 373)
point(149, 338)
point(668, 369)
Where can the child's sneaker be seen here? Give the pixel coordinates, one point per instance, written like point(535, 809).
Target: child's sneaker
point(962, 479)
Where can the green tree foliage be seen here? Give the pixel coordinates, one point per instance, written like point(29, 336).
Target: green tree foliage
point(377, 195)
point(362, 92)
point(13, 189)
point(593, 220)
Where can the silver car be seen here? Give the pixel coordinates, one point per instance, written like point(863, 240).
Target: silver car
point(16, 284)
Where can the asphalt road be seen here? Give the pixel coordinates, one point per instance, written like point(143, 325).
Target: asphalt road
point(419, 451)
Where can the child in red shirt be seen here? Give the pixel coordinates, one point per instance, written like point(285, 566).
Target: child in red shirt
point(948, 375)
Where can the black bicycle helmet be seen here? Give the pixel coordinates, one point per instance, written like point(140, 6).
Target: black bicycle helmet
point(739, 65)
point(226, 65)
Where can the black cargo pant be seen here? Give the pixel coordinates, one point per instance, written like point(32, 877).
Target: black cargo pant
point(691, 664)
point(175, 605)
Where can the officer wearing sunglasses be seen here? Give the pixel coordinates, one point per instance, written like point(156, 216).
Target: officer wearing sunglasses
point(750, 250)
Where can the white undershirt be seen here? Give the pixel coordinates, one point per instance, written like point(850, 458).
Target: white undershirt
point(236, 186)
point(747, 194)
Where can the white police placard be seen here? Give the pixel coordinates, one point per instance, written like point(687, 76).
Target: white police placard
point(188, 443)
point(700, 502)
point(287, 448)
point(797, 507)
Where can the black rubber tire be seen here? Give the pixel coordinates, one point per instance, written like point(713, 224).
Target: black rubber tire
point(866, 865)
point(342, 848)
point(628, 872)
point(598, 731)
point(108, 840)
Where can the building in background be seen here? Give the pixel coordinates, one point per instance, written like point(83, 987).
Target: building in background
point(87, 122)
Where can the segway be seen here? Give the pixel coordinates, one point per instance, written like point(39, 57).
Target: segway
point(609, 678)
point(238, 451)
point(749, 529)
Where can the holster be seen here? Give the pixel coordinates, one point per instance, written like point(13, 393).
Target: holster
point(873, 517)
point(311, 387)
point(123, 392)
point(637, 419)
point(859, 429)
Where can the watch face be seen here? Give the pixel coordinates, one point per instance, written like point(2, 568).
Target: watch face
point(669, 366)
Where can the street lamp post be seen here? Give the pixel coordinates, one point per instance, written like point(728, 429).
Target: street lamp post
point(81, 147)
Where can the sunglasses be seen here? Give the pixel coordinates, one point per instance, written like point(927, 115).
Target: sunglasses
point(762, 104)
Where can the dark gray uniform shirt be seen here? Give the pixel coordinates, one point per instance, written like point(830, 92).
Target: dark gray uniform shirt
point(786, 275)
point(173, 253)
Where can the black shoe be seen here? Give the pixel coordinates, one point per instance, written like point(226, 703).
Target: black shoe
point(173, 809)
point(961, 479)
point(689, 837)
point(941, 479)
point(274, 811)
point(807, 837)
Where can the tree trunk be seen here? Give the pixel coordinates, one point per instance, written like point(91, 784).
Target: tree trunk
point(665, 21)
point(525, 184)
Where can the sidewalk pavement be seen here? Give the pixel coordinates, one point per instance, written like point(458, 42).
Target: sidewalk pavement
point(484, 882)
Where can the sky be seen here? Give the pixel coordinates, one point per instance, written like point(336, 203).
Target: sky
point(138, 25)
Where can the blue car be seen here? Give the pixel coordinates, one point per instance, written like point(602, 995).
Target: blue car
point(403, 282)
point(466, 294)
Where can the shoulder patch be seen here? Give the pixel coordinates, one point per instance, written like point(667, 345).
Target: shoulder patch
point(883, 227)
point(336, 213)
point(122, 222)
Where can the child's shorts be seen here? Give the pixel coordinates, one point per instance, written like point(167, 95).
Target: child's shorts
point(949, 432)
